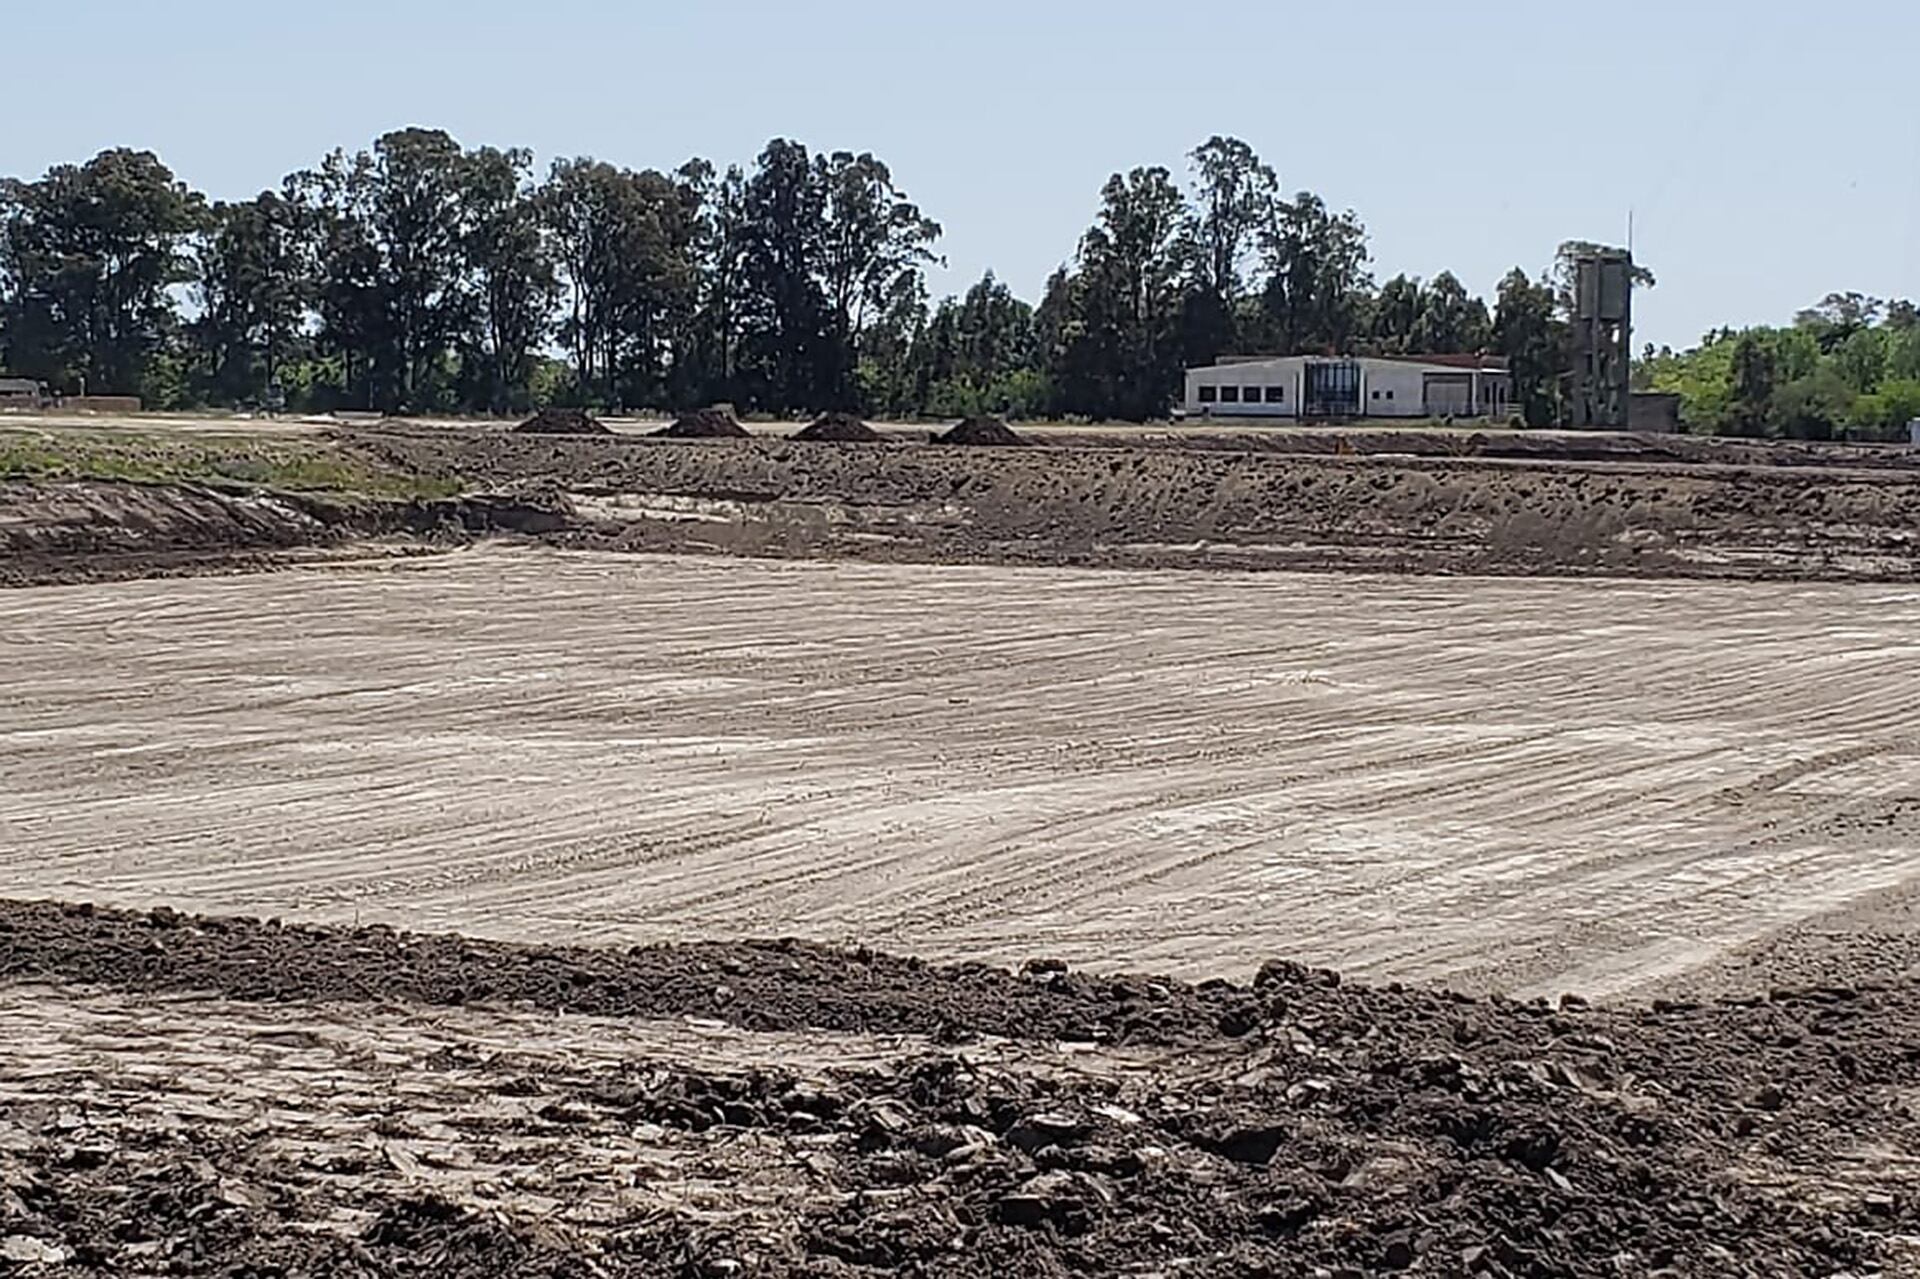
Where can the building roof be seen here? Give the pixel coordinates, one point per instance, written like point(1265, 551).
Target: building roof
point(1464, 363)
point(16, 385)
point(1484, 363)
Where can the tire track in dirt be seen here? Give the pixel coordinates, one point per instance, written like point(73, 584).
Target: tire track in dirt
point(1404, 778)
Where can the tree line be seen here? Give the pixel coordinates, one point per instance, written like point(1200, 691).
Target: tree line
point(418, 275)
point(1848, 367)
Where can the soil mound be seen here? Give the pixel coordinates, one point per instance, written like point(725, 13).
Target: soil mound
point(561, 422)
point(706, 424)
point(1302, 1122)
point(839, 428)
point(990, 431)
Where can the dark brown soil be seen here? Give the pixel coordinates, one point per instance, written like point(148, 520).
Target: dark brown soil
point(1300, 1125)
point(1109, 506)
point(839, 428)
point(1164, 507)
point(705, 424)
point(771, 985)
point(988, 431)
point(562, 422)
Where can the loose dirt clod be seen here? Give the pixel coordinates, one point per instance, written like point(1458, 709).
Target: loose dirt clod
point(839, 428)
point(562, 422)
point(704, 424)
point(1354, 1130)
point(989, 431)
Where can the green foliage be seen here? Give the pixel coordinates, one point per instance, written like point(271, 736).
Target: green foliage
point(1395, 317)
point(624, 244)
point(1885, 413)
point(1528, 330)
point(1451, 320)
point(1236, 198)
point(1848, 367)
point(1317, 281)
point(1115, 323)
point(88, 255)
point(1754, 377)
point(1811, 408)
point(419, 275)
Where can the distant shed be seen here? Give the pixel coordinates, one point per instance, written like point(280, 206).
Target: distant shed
point(21, 393)
point(1654, 411)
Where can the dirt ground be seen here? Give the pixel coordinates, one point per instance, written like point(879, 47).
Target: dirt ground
point(1156, 506)
point(205, 1104)
point(1558, 922)
point(1497, 784)
point(111, 502)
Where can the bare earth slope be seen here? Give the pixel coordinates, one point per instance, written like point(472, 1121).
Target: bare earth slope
point(1169, 506)
point(76, 505)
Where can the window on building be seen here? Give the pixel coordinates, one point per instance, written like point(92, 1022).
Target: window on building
point(1389, 395)
point(1229, 395)
point(1209, 394)
point(1376, 395)
point(1250, 394)
point(1276, 395)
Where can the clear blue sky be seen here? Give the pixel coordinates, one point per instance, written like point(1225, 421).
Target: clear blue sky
point(1771, 150)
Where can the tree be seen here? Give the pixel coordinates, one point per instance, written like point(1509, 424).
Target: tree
point(253, 281)
point(1317, 278)
point(411, 198)
point(721, 247)
point(1395, 318)
point(994, 332)
point(1884, 414)
point(978, 354)
point(1754, 376)
point(890, 377)
point(1860, 359)
point(1451, 320)
point(784, 209)
point(350, 297)
point(1812, 407)
point(1123, 305)
point(388, 226)
point(90, 253)
point(1565, 269)
point(1839, 316)
point(626, 244)
point(1234, 198)
point(1903, 353)
point(1066, 352)
point(512, 278)
point(873, 243)
point(1529, 333)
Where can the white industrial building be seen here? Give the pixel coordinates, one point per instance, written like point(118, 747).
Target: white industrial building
point(1320, 387)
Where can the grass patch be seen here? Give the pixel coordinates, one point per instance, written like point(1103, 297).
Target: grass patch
point(293, 465)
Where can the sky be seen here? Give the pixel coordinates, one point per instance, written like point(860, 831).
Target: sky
point(1768, 152)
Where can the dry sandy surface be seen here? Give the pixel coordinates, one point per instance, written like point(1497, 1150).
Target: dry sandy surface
point(1498, 784)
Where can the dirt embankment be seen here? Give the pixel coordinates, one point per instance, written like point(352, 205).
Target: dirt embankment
point(1139, 504)
point(1494, 443)
point(93, 530)
point(1150, 507)
point(1297, 1125)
